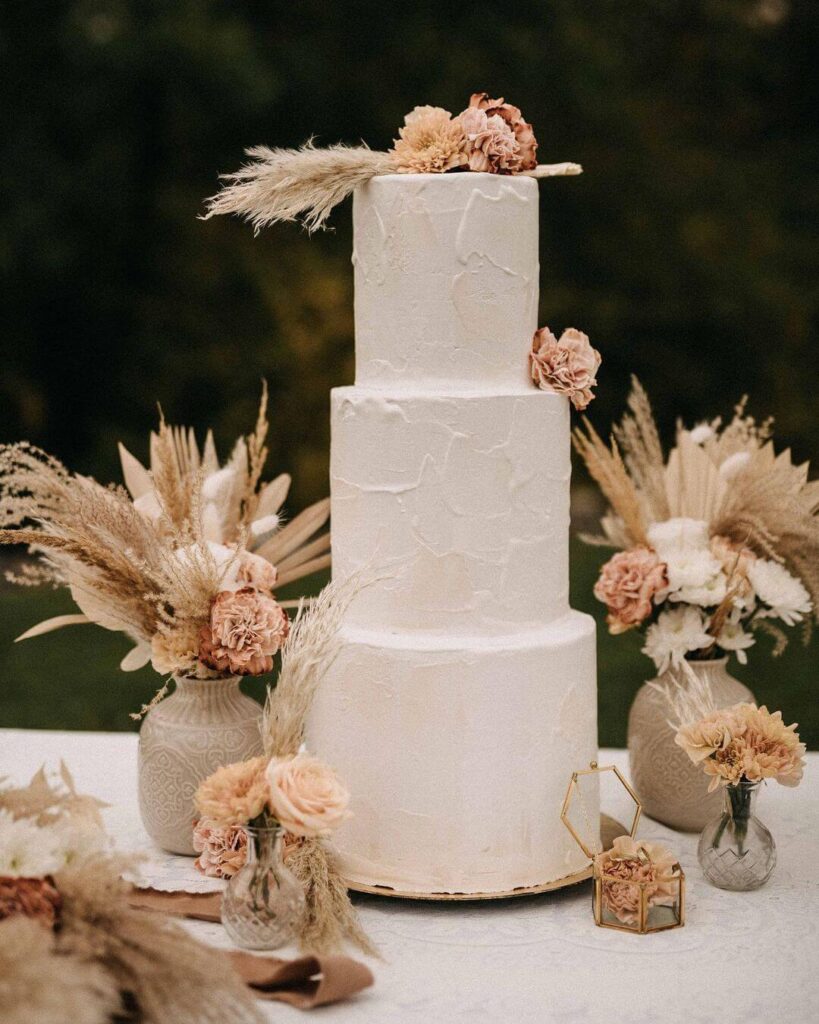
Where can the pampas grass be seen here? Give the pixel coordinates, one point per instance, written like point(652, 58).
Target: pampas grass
point(295, 184)
point(639, 440)
point(688, 696)
point(606, 467)
point(308, 652)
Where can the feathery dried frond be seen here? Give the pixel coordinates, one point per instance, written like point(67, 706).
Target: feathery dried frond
point(688, 695)
point(257, 453)
point(307, 653)
point(46, 801)
point(771, 508)
point(331, 917)
point(295, 184)
point(779, 635)
point(639, 441)
point(606, 467)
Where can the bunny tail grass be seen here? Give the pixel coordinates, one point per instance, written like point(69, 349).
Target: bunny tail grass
point(295, 184)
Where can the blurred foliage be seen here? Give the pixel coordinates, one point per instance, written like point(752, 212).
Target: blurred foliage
point(685, 250)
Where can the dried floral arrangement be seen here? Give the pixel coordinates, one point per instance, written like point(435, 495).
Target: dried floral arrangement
point(285, 783)
point(71, 947)
point(718, 541)
point(184, 561)
point(744, 743)
point(566, 365)
point(489, 136)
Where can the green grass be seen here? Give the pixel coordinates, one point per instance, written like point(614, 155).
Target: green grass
point(71, 679)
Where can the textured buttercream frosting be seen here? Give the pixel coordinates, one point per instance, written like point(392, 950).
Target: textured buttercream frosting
point(465, 691)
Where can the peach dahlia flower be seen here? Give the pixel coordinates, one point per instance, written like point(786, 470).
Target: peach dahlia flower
point(234, 794)
point(432, 141)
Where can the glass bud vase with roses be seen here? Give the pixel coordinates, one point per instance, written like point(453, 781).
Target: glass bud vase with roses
point(718, 542)
point(275, 802)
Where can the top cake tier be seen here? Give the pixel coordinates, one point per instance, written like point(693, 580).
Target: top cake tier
point(446, 279)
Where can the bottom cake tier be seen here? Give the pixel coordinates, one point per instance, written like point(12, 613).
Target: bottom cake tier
point(457, 754)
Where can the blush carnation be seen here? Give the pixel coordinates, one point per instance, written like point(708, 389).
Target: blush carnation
point(222, 849)
point(628, 584)
point(568, 366)
point(491, 143)
point(522, 130)
point(246, 629)
point(631, 861)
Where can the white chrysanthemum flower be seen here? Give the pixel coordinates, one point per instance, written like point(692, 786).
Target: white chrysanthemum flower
point(676, 633)
point(784, 594)
point(734, 638)
point(701, 433)
point(27, 851)
point(674, 535)
point(695, 577)
point(734, 465)
point(77, 840)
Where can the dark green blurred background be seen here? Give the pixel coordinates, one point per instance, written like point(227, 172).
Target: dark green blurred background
point(686, 250)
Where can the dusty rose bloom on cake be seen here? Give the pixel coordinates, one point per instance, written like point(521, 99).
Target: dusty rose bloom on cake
point(257, 571)
point(627, 586)
point(30, 897)
point(524, 136)
point(432, 141)
point(222, 849)
point(246, 629)
point(568, 366)
point(632, 861)
point(235, 794)
point(492, 145)
point(306, 796)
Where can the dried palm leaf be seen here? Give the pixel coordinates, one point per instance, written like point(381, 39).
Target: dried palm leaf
point(694, 488)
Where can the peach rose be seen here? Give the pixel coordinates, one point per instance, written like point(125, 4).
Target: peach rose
point(246, 629)
point(524, 136)
point(627, 586)
point(568, 366)
point(306, 796)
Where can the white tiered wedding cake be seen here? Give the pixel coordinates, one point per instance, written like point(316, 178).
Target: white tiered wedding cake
point(465, 691)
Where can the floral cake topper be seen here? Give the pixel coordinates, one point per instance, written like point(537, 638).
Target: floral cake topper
point(490, 136)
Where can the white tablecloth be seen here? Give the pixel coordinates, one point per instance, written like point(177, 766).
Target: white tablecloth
point(742, 957)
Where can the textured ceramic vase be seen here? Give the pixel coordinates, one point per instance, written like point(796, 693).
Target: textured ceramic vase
point(204, 723)
point(672, 789)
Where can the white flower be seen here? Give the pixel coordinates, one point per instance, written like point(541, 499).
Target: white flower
point(27, 851)
point(701, 433)
point(695, 577)
point(676, 633)
point(784, 594)
point(76, 840)
point(734, 638)
point(734, 465)
point(677, 534)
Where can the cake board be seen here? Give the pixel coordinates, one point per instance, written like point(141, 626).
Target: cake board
point(609, 831)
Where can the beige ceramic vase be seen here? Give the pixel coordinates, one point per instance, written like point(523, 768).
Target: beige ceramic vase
point(205, 723)
point(672, 789)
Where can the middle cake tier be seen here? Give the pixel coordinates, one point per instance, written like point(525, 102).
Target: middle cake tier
point(458, 502)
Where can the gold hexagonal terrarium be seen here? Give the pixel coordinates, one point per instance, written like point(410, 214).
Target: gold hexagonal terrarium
point(638, 886)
